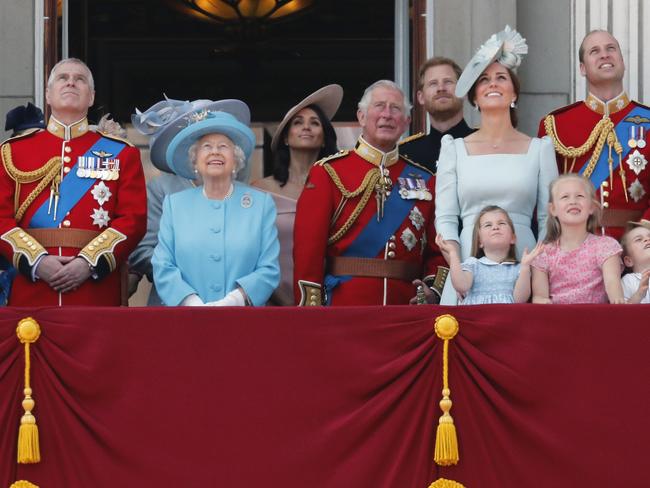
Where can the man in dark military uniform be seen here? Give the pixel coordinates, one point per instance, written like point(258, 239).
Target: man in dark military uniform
point(364, 226)
point(436, 86)
point(604, 137)
point(72, 201)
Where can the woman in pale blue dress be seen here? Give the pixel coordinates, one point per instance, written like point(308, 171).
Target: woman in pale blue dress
point(496, 165)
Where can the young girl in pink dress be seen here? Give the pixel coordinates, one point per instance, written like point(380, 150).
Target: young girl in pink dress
point(576, 265)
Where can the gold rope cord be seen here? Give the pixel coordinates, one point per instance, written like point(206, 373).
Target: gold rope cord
point(46, 173)
point(598, 137)
point(366, 187)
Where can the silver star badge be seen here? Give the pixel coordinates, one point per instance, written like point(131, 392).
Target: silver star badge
point(100, 217)
point(636, 161)
point(636, 190)
point(409, 239)
point(416, 217)
point(101, 193)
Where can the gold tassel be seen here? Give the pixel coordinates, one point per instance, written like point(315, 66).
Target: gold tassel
point(446, 452)
point(23, 484)
point(443, 483)
point(28, 332)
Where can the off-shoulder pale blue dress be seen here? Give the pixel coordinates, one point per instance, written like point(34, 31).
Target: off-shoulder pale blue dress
point(465, 184)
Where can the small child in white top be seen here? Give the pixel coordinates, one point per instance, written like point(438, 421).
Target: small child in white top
point(636, 256)
point(491, 274)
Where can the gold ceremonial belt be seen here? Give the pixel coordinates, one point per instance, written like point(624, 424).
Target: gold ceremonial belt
point(77, 238)
point(374, 268)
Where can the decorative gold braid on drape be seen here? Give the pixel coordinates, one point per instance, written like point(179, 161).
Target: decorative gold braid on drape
point(598, 137)
point(366, 187)
point(28, 332)
point(445, 483)
point(46, 173)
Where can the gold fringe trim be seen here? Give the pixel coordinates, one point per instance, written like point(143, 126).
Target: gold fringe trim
point(446, 450)
point(443, 483)
point(28, 332)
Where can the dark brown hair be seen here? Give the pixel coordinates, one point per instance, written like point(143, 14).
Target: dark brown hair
point(471, 95)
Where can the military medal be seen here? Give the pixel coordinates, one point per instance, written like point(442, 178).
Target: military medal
point(641, 140)
point(636, 190)
point(416, 218)
point(101, 193)
point(631, 142)
point(403, 188)
point(81, 167)
point(409, 239)
point(636, 161)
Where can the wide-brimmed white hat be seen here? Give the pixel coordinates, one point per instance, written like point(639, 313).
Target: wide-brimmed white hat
point(506, 47)
point(328, 99)
point(227, 117)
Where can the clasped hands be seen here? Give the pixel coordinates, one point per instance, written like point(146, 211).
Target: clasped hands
point(63, 273)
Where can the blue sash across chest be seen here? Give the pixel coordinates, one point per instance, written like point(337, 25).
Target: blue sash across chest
point(601, 171)
point(372, 239)
point(72, 188)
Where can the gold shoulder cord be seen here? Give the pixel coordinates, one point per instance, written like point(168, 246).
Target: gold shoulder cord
point(366, 187)
point(598, 136)
point(46, 173)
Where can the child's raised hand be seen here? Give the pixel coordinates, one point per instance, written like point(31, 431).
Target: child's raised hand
point(528, 257)
point(448, 248)
point(643, 285)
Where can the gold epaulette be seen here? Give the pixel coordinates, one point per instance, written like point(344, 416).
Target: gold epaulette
point(103, 245)
point(411, 138)
point(23, 244)
point(417, 165)
point(340, 154)
point(27, 132)
point(115, 138)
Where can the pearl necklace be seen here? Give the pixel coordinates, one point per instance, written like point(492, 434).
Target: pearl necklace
point(226, 197)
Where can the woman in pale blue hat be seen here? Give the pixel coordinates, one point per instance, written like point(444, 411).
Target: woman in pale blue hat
point(217, 243)
point(497, 164)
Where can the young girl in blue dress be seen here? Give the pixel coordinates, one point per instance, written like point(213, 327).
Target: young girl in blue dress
point(491, 274)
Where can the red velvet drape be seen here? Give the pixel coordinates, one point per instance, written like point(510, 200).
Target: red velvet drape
point(543, 396)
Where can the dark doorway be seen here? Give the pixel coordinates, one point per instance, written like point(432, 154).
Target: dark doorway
point(140, 49)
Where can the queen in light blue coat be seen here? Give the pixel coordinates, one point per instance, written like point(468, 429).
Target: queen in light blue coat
point(217, 243)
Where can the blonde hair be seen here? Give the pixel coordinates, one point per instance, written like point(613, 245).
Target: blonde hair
point(477, 250)
point(553, 227)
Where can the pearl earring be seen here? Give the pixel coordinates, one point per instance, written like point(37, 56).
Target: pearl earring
point(196, 171)
point(513, 104)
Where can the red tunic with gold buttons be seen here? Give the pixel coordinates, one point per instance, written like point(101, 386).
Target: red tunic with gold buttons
point(336, 217)
point(102, 223)
point(625, 194)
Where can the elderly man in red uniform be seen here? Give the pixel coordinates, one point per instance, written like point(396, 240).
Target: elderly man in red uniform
point(605, 136)
point(72, 201)
point(364, 222)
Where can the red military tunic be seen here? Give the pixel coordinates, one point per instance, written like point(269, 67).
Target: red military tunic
point(103, 226)
point(627, 196)
point(403, 249)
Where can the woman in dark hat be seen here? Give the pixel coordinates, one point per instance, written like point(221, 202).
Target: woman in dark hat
point(304, 136)
point(217, 243)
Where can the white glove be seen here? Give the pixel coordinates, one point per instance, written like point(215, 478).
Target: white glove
point(233, 299)
point(192, 300)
